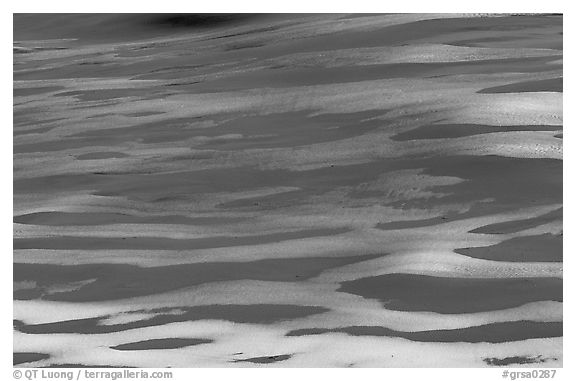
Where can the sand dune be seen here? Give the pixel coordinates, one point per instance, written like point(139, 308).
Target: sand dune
point(288, 190)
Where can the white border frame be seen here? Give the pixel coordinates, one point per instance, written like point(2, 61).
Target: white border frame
point(292, 6)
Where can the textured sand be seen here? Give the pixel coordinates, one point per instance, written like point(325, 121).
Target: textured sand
point(287, 190)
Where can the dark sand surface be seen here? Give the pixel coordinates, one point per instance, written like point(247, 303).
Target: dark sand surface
point(502, 183)
point(322, 76)
point(170, 343)
point(509, 182)
point(116, 27)
point(110, 281)
point(287, 130)
point(490, 333)
point(451, 131)
point(33, 131)
point(395, 225)
point(24, 357)
point(407, 292)
point(516, 226)
point(35, 91)
point(528, 86)
point(158, 243)
point(253, 314)
point(538, 248)
point(265, 359)
point(234, 178)
point(101, 155)
point(88, 219)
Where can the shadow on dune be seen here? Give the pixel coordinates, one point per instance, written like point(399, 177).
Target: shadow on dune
point(168, 343)
point(519, 225)
point(99, 282)
point(25, 357)
point(251, 313)
point(265, 359)
point(117, 27)
point(488, 333)
point(536, 248)
point(413, 292)
point(200, 20)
